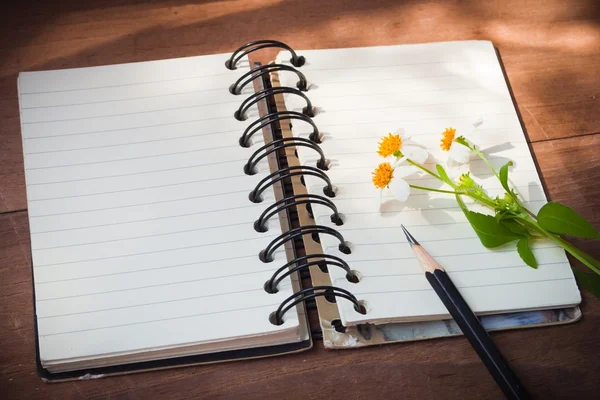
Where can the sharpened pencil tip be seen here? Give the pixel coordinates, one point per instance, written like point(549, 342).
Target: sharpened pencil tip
point(409, 237)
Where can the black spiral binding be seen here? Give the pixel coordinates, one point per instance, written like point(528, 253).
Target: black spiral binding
point(283, 175)
point(283, 143)
point(303, 295)
point(254, 98)
point(262, 70)
point(277, 116)
point(266, 255)
point(293, 201)
point(288, 172)
point(322, 260)
point(297, 61)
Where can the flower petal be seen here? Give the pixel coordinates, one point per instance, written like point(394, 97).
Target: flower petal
point(403, 171)
point(402, 133)
point(399, 188)
point(459, 153)
point(417, 154)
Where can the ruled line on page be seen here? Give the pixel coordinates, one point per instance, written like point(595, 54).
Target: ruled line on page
point(310, 69)
point(162, 267)
point(133, 158)
point(438, 134)
point(132, 143)
point(132, 113)
point(147, 219)
point(220, 90)
point(502, 249)
point(124, 84)
point(318, 99)
point(548, 245)
point(263, 238)
point(140, 173)
point(453, 271)
point(421, 179)
point(130, 128)
point(161, 285)
point(145, 304)
point(459, 287)
point(452, 103)
point(376, 213)
point(542, 245)
point(128, 206)
point(412, 257)
point(400, 122)
point(384, 80)
point(161, 302)
point(162, 319)
point(245, 223)
point(425, 194)
point(144, 188)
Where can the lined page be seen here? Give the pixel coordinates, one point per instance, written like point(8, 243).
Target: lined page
point(141, 229)
point(362, 94)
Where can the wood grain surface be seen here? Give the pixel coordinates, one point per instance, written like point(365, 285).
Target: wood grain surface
point(551, 53)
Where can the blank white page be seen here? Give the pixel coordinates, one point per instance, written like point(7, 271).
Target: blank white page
point(141, 228)
point(362, 94)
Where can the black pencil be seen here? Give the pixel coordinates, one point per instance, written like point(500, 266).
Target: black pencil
point(468, 323)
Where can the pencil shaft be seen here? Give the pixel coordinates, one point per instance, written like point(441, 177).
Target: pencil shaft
point(477, 335)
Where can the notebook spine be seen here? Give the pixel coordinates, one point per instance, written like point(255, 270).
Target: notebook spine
point(283, 174)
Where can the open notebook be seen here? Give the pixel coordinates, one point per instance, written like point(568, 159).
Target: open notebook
point(142, 240)
point(172, 214)
point(360, 95)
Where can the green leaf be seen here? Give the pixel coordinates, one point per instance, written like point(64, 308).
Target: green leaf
point(442, 173)
point(589, 281)
point(490, 232)
point(504, 175)
point(515, 227)
point(525, 252)
point(558, 218)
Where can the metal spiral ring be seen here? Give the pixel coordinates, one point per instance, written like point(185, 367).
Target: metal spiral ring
point(281, 174)
point(308, 199)
point(296, 60)
point(303, 263)
point(263, 94)
point(281, 144)
point(274, 117)
point(261, 70)
point(276, 317)
point(266, 255)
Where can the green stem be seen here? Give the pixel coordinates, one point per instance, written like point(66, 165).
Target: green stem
point(424, 169)
point(575, 252)
point(527, 211)
point(480, 154)
point(434, 190)
point(482, 200)
point(484, 158)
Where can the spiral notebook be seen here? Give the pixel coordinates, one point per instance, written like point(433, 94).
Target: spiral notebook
point(173, 213)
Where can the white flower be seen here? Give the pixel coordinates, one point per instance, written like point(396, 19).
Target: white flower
point(399, 144)
point(386, 176)
point(458, 153)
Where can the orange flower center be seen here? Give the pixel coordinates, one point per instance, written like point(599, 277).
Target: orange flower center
point(382, 175)
point(447, 138)
point(389, 145)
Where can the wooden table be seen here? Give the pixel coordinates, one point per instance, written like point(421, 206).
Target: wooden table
point(551, 51)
